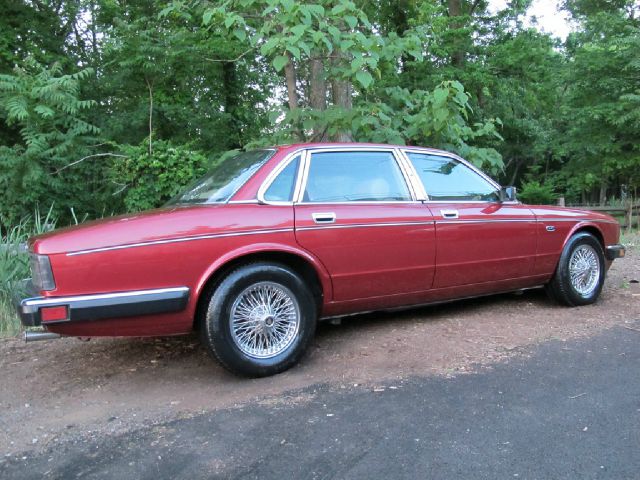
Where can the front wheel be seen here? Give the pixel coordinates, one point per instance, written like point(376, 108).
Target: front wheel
point(580, 273)
point(260, 320)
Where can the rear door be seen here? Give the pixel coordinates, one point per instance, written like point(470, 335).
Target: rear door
point(357, 213)
point(479, 238)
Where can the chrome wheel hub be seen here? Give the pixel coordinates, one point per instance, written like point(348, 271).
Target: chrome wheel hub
point(584, 270)
point(265, 320)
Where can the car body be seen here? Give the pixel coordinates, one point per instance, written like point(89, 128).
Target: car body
point(364, 227)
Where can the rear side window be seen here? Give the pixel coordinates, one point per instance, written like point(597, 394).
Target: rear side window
point(355, 177)
point(448, 179)
point(281, 189)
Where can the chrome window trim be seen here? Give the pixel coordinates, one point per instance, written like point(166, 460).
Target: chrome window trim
point(439, 153)
point(290, 157)
point(421, 193)
point(333, 149)
point(363, 202)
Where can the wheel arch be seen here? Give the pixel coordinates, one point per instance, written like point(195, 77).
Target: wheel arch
point(586, 228)
point(303, 263)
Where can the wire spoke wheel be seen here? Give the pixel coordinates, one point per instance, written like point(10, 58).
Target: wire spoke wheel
point(265, 319)
point(584, 270)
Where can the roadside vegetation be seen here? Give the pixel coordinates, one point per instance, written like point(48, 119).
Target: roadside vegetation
point(14, 264)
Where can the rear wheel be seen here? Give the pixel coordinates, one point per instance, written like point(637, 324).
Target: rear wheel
point(260, 320)
point(580, 273)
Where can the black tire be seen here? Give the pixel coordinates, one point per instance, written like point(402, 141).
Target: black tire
point(560, 287)
point(217, 331)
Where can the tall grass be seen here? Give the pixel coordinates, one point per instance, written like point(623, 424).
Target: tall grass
point(14, 264)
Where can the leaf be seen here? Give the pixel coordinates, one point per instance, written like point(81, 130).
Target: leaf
point(351, 21)
point(294, 50)
point(280, 62)
point(317, 10)
point(206, 16)
point(338, 9)
point(364, 78)
point(440, 96)
point(298, 30)
point(240, 34)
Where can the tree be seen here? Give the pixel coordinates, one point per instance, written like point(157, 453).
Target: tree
point(44, 105)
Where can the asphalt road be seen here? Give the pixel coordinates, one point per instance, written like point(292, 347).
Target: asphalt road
point(563, 410)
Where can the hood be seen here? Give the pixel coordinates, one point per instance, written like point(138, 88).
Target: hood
point(549, 212)
point(163, 223)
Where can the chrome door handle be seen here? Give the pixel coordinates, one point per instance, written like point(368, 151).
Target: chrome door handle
point(324, 217)
point(449, 213)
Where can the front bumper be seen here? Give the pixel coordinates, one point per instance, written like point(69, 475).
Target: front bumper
point(615, 251)
point(99, 306)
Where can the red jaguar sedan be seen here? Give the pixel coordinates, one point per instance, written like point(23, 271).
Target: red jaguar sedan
point(273, 240)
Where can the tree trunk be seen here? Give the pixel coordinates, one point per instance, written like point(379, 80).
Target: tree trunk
point(150, 87)
point(318, 96)
point(603, 193)
point(231, 104)
point(290, 75)
point(454, 8)
point(292, 92)
point(341, 93)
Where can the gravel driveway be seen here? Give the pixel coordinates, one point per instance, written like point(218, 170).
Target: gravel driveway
point(67, 392)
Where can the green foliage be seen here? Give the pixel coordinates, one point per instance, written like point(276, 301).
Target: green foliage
point(45, 105)
point(14, 263)
point(534, 193)
point(438, 118)
point(83, 82)
point(149, 181)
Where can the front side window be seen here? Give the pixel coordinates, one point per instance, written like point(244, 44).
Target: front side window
point(224, 179)
point(448, 179)
point(355, 177)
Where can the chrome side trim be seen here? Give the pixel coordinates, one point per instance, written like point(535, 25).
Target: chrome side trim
point(364, 225)
point(496, 220)
point(32, 305)
point(178, 240)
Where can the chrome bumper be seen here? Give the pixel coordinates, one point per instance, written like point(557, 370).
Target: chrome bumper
point(615, 251)
point(101, 306)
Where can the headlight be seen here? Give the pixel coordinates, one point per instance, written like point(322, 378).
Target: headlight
point(41, 273)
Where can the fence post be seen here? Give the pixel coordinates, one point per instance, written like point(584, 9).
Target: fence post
point(561, 201)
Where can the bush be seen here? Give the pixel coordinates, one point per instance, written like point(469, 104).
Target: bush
point(533, 192)
point(14, 264)
point(148, 181)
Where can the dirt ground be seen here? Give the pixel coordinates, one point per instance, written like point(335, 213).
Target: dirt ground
point(68, 390)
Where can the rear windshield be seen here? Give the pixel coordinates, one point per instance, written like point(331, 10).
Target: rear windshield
point(223, 180)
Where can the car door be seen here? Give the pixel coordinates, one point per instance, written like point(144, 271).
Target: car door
point(478, 237)
point(357, 213)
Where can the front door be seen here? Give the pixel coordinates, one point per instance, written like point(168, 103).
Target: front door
point(359, 217)
point(479, 238)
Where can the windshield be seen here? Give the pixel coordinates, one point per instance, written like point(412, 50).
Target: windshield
point(224, 179)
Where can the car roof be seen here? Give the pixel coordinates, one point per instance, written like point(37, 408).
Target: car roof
point(295, 146)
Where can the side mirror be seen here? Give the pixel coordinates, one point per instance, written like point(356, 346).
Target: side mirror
point(508, 194)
